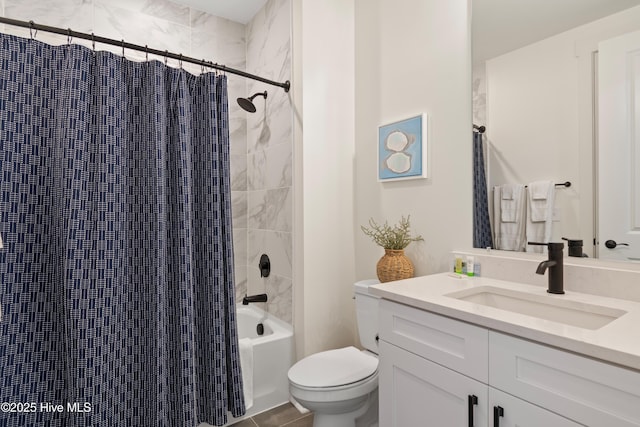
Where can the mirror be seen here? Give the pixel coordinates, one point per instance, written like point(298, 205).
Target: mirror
point(535, 90)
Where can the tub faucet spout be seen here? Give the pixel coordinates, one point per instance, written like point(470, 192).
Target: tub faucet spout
point(254, 298)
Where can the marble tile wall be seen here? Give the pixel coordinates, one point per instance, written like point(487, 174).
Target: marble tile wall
point(479, 95)
point(269, 158)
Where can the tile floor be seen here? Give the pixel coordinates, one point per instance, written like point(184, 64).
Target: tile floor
point(283, 416)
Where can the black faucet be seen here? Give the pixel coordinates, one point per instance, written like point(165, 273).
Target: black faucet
point(554, 264)
point(254, 298)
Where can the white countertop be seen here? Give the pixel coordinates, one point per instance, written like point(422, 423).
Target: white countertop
point(617, 342)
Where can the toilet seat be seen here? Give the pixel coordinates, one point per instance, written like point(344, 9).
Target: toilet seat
point(333, 369)
point(345, 393)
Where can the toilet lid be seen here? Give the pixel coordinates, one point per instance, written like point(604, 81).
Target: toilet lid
point(333, 368)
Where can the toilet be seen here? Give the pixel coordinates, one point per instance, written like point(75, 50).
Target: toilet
point(341, 386)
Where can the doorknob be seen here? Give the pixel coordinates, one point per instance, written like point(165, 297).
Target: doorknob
point(611, 244)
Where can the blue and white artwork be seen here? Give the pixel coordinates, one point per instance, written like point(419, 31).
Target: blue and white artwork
point(402, 149)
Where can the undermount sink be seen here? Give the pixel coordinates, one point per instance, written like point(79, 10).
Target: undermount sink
point(555, 309)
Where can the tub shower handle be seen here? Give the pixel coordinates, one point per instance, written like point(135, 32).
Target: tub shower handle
point(264, 265)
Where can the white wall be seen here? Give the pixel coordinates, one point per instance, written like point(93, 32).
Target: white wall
point(413, 56)
point(539, 118)
point(324, 152)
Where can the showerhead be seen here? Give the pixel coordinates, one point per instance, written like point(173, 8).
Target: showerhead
point(247, 103)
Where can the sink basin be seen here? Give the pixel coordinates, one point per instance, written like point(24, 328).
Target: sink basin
point(556, 309)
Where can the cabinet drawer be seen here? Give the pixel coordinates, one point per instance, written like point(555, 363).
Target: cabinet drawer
point(585, 390)
point(451, 343)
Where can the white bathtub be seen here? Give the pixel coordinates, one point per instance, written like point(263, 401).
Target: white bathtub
point(273, 355)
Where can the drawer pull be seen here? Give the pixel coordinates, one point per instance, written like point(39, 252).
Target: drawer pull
point(472, 400)
point(497, 413)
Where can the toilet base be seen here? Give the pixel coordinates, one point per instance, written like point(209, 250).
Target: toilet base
point(365, 415)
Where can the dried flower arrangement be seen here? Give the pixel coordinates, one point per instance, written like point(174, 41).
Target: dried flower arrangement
point(391, 237)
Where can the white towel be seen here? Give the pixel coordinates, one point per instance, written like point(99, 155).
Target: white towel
point(510, 228)
point(506, 192)
point(510, 202)
point(246, 364)
point(541, 198)
point(541, 195)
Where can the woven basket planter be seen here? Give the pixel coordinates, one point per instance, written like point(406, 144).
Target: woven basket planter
point(394, 265)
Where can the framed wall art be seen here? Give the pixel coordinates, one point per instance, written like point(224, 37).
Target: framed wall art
point(403, 149)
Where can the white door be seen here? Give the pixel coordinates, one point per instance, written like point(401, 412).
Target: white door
point(619, 148)
point(417, 392)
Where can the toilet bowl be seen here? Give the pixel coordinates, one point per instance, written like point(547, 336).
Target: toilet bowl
point(341, 386)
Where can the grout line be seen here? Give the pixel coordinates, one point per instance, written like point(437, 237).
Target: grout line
point(297, 419)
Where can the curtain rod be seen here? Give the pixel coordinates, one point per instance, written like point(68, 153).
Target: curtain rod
point(125, 45)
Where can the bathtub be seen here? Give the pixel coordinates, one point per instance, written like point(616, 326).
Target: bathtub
point(273, 355)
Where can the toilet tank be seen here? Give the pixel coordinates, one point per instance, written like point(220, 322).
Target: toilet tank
point(367, 314)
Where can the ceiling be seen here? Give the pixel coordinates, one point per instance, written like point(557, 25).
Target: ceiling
point(500, 26)
point(235, 10)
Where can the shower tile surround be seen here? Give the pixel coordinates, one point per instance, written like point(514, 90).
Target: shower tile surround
point(269, 158)
point(261, 143)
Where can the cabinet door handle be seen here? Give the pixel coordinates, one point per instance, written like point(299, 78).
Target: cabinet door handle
point(472, 400)
point(497, 413)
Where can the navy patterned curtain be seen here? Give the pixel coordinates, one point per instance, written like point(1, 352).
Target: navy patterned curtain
point(116, 277)
point(481, 222)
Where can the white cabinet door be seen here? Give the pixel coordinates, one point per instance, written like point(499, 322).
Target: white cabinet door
point(508, 411)
point(417, 392)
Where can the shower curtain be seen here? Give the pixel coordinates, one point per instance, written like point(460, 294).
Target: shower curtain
point(116, 277)
point(481, 221)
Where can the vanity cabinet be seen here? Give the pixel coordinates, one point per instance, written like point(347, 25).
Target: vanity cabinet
point(438, 371)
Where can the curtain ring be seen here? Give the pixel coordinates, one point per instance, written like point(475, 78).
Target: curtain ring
point(123, 49)
point(166, 55)
point(146, 52)
point(202, 71)
point(31, 28)
point(69, 38)
point(93, 42)
point(180, 61)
